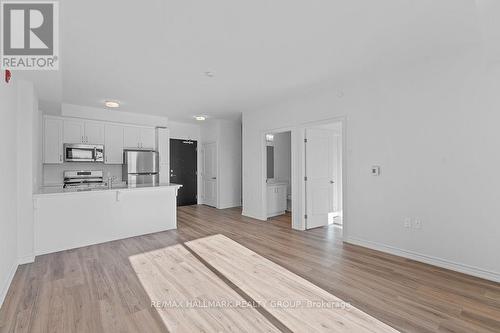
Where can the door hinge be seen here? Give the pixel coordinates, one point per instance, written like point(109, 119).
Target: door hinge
point(305, 216)
point(305, 140)
point(305, 178)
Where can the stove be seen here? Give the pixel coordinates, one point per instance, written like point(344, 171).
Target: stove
point(84, 179)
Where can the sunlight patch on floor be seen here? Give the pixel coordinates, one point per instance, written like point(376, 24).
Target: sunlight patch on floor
point(190, 298)
point(294, 301)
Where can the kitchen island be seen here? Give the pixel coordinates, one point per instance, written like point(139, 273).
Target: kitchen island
point(69, 218)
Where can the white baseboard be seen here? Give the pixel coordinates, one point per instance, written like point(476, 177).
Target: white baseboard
point(27, 259)
point(230, 205)
point(276, 214)
point(5, 287)
point(443, 263)
point(244, 213)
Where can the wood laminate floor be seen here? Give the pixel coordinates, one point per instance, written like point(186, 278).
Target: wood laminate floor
point(99, 288)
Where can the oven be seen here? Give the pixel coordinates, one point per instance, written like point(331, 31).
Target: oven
point(83, 153)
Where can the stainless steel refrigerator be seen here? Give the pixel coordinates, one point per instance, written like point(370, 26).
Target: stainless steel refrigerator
point(140, 167)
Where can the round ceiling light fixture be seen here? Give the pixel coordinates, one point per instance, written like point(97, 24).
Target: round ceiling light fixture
point(112, 104)
point(200, 118)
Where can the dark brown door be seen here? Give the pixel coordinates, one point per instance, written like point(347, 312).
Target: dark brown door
point(183, 170)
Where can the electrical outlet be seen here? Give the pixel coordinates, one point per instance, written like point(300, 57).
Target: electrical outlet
point(407, 223)
point(417, 224)
point(375, 170)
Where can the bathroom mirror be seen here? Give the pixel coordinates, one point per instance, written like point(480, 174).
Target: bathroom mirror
point(270, 162)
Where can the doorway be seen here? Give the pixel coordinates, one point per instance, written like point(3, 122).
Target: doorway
point(323, 175)
point(183, 170)
point(279, 178)
point(209, 174)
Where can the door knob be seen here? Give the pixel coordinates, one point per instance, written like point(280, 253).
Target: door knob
point(331, 182)
point(214, 177)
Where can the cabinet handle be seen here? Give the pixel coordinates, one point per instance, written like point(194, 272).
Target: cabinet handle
point(60, 158)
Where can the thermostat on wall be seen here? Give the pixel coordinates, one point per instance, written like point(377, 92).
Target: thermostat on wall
point(375, 170)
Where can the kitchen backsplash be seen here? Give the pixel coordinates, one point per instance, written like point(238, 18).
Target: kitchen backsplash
point(53, 173)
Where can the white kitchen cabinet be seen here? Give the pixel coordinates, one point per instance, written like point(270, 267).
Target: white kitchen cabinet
point(73, 131)
point(80, 131)
point(163, 148)
point(163, 145)
point(53, 140)
point(139, 137)
point(114, 136)
point(164, 173)
point(94, 133)
point(132, 137)
point(148, 138)
point(113, 144)
point(276, 199)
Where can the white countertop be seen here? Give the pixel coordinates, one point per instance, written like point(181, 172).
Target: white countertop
point(58, 190)
point(276, 183)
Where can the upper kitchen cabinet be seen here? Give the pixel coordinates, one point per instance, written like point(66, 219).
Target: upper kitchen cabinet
point(74, 130)
point(94, 133)
point(80, 131)
point(131, 137)
point(139, 137)
point(148, 138)
point(53, 140)
point(113, 144)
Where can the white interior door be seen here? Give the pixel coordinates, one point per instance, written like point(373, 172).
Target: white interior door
point(320, 173)
point(209, 174)
point(337, 175)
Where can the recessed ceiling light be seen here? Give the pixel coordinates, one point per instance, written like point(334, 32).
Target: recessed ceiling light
point(112, 104)
point(200, 118)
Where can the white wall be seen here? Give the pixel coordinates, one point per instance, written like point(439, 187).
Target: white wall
point(185, 131)
point(28, 159)
point(434, 129)
point(229, 154)
point(227, 136)
point(8, 190)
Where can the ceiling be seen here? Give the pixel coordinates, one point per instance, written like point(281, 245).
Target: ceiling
point(153, 55)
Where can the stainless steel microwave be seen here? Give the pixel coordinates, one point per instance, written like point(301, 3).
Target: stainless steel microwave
point(83, 153)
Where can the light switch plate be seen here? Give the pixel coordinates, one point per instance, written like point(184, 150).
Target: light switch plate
point(375, 170)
